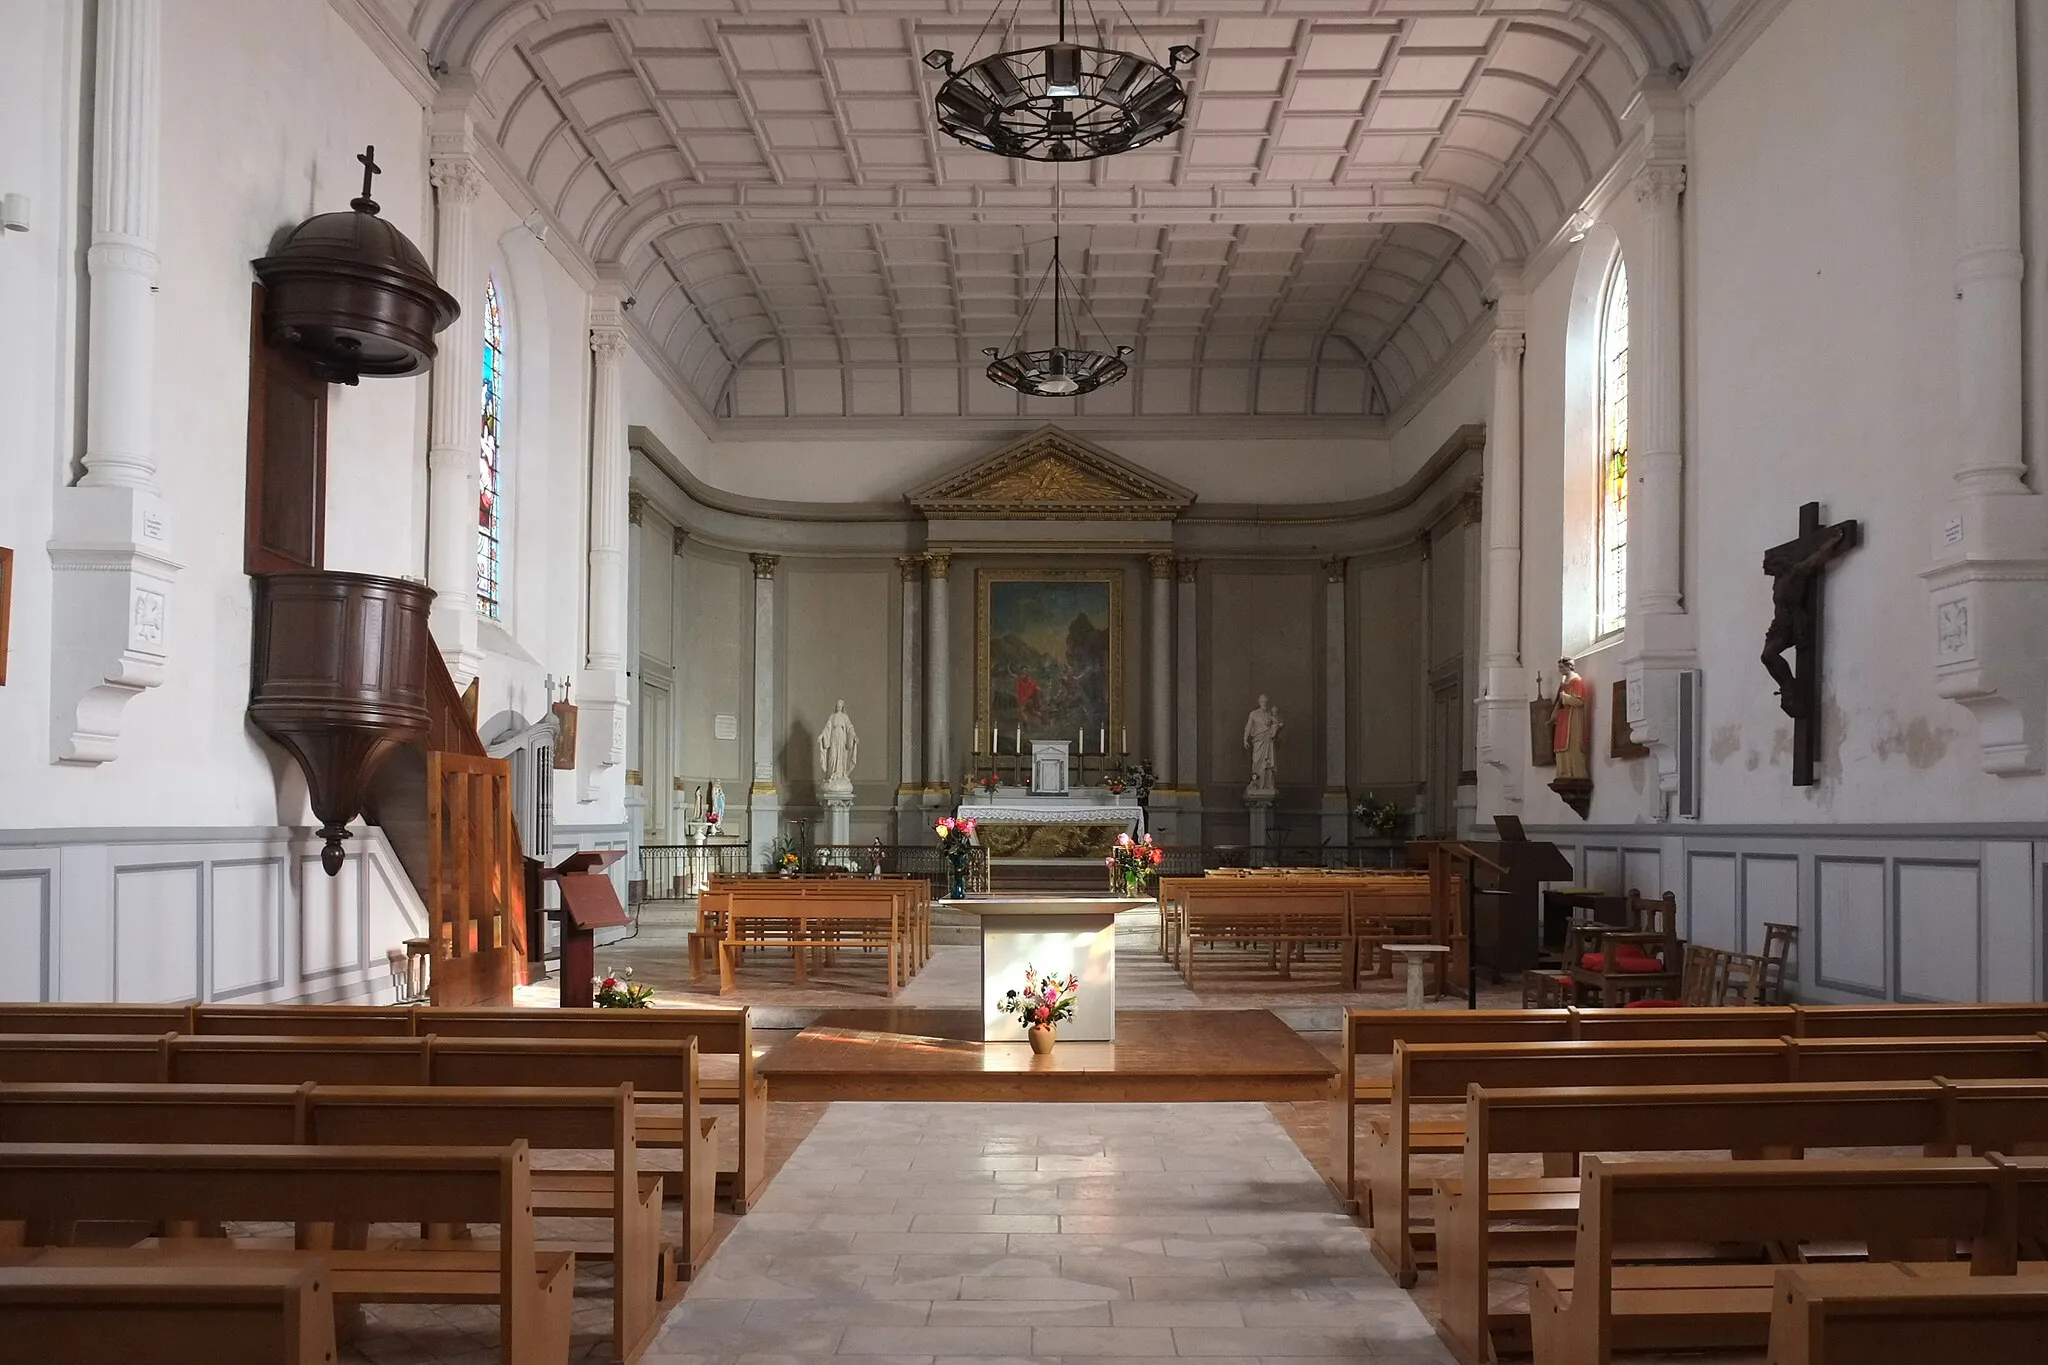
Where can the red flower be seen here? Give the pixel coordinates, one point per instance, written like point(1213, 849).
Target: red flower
point(611, 983)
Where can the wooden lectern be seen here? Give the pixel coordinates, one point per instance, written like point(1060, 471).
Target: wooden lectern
point(1509, 935)
point(589, 902)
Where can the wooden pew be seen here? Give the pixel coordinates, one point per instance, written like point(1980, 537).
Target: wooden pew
point(1442, 1074)
point(1889, 1316)
point(252, 1059)
point(828, 916)
point(114, 1058)
point(300, 1021)
point(1583, 1315)
point(1284, 913)
point(1736, 1119)
point(644, 1283)
point(910, 895)
point(719, 1030)
point(168, 1314)
point(67, 1017)
point(50, 1183)
point(265, 1115)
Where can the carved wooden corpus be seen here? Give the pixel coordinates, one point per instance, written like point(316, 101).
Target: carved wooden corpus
point(339, 679)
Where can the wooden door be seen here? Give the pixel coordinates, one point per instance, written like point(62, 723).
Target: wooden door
point(475, 887)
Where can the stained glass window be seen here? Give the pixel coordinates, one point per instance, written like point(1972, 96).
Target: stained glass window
point(1611, 549)
point(489, 539)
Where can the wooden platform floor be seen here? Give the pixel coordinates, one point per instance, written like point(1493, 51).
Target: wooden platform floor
point(937, 1054)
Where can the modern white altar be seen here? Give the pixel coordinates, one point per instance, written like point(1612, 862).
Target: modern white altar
point(1057, 935)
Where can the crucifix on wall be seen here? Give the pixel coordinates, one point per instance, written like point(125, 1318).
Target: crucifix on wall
point(1797, 570)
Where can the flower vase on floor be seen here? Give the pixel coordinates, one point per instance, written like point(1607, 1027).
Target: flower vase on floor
point(1042, 1037)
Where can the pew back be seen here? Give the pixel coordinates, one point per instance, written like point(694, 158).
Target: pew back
point(154, 1315)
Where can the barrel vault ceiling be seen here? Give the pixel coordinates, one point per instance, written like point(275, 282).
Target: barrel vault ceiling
point(800, 243)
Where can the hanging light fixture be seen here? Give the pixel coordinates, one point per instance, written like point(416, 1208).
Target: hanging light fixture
point(1056, 371)
point(1062, 101)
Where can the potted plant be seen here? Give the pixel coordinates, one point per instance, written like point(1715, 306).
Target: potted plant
point(617, 991)
point(956, 842)
point(1381, 817)
point(783, 857)
point(1043, 1004)
point(1131, 863)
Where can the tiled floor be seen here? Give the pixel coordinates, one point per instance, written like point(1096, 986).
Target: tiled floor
point(931, 1233)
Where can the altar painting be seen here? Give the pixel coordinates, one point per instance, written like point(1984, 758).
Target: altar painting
point(1048, 645)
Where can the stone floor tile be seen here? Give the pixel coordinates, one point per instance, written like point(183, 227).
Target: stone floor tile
point(1092, 1342)
point(1186, 1313)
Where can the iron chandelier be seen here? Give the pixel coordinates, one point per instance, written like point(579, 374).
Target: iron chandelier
point(1062, 101)
point(1056, 371)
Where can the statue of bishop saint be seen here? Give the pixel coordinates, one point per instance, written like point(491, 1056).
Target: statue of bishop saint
point(838, 750)
point(1261, 728)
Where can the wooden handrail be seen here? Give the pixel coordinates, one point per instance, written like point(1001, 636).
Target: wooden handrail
point(1472, 855)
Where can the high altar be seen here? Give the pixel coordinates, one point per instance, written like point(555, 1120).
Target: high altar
point(1051, 820)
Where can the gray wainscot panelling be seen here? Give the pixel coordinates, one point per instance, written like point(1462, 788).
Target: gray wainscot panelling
point(1885, 912)
point(199, 914)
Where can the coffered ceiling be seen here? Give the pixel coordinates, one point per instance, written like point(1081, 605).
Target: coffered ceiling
point(800, 242)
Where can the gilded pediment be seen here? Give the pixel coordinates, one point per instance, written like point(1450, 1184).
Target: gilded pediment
point(1051, 474)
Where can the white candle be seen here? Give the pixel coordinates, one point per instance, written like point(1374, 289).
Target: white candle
point(1102, 740)
point(1020, 739)
point(1080, 741)
point(977, 739)
point(1124, 744)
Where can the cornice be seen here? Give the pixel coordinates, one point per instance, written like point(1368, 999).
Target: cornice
point(393, 48)
point(1731, 39)
point(1467, 439)
point(1087, 427)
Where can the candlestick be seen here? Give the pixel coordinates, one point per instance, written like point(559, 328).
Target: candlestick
point(1080, 742)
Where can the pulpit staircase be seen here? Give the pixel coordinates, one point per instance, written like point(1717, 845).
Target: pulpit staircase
point(447, 809)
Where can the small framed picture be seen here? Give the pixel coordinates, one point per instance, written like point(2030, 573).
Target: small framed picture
point(6, 604)
point(1621, 739)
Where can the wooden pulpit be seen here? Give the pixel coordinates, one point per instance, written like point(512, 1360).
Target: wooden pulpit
point(1513, 939)
point(589, 902)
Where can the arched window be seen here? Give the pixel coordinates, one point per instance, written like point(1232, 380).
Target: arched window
point(490, 461)
point(1610, 564)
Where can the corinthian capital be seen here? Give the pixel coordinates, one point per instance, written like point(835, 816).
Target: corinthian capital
point(607, 343)
point(456, 178)
point(1658, 186)
point(1508, 345)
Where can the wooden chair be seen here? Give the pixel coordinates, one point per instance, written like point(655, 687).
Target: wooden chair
point(1614, 966)
point(1777, 954)
point(348, 1187)
point(168, 1314)
point(1889, 1316)
point(1743, 978)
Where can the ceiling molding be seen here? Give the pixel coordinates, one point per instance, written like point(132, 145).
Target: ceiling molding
point(1100, 428)
point(1729, 42)
point(1469, 439)
point(392, 47)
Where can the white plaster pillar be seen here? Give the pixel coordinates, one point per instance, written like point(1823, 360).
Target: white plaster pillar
point(1336, 701)
point(638, 763)
point(1504, 682)
point(1187, 692)
point(681, 815)
point(452, 421)
point(604, 698)
point(111, 538)
point(1470, 541)
point(937, 770)
point(1658, 642)
point(1159, 745)
point(764, 802)
point(1425, 701)
point(1990, 543)
point(910, 780)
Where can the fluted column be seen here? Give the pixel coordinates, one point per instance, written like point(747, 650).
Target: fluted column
point(1504, 682)
point(681, 813)
point(937, 770)
point(764, 802)
point(1160, 667)
point(910, 568)
point(601, 741)
point(1990, 542)
point(452, 430)
point(1336, 700)
point(111, 538)
point(1186, 766)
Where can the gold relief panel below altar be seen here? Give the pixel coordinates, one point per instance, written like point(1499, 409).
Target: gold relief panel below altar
point(1025, 840)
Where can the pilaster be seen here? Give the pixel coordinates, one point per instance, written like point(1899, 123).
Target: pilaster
point(110, 548)
point(1504, 682)
point(604, 700)
point(764, 802)
point(452, 433)
point(1336, 700)
point(938, 773)
point(910, 775)
point(1187, 720)
point(1990, 542)
point(1159, 665)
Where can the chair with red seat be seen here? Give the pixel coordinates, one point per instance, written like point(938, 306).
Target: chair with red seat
point(1644, 960)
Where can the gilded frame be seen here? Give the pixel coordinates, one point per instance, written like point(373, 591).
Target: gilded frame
point(985, 581)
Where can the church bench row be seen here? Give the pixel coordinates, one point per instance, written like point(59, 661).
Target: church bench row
point(1284, 911)
point(224, 1314)
point(806, 914)
point(1444, 1073)
point(560, 1120)
point(717, 1030)
point(1898, 1210)
point(659, 1072)
point(1897, 1315)
point(1369, 1033)
point(1937, 1116)
point(45, 1183)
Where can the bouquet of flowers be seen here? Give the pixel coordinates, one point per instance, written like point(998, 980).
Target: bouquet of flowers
point(1131, 862)
point(1381, 817)
point(1115, 782)
point(710, 817)
point(618, 991)
point(1044, 1001)
point(783, 856)
point(988, 782)
point(956, 838)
